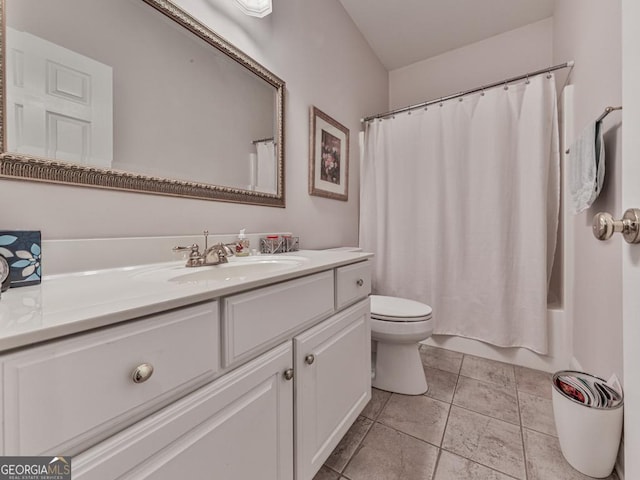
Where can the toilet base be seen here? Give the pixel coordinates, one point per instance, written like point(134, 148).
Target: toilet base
point(399, 369)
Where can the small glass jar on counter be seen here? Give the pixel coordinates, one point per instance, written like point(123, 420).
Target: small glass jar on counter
point(271, 244)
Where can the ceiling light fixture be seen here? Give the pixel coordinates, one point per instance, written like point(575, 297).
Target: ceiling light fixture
point(255, 8)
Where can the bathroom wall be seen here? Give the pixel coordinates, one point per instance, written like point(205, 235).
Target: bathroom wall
point(589, 31)
point(317, 50)
point(502, 56)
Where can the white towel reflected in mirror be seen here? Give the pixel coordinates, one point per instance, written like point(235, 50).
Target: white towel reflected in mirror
point(266, 174)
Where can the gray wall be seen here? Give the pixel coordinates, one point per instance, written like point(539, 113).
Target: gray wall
point(317, 50)
point(502, 56)
point(589, 31)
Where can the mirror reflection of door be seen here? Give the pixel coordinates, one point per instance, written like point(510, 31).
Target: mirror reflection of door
point(59, 103)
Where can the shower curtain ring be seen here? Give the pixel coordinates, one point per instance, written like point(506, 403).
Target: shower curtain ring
point(527, 81)
point(506, 87)
point(440, 101)
point(549, 74)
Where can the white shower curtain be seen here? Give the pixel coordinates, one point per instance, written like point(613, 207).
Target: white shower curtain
point(460, 205)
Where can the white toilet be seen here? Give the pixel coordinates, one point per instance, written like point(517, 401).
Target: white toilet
point(397, 325)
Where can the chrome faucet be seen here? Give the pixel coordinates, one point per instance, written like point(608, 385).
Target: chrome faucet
point(217, 254)
point(214, 255)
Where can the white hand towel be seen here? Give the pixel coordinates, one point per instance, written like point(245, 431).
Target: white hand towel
point(586, 165)
point(267, 174)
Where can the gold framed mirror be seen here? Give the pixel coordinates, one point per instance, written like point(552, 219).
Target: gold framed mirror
point(122, 96)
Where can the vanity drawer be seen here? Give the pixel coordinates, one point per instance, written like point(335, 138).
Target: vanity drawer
point(64, 396)
point(353, 283)
point(256, 320)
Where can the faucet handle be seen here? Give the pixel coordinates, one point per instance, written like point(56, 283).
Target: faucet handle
point(193, 249)
point(194, 254)
point(230, 249)
point(224, 249)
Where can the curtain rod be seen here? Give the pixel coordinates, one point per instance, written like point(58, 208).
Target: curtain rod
point(568, 64)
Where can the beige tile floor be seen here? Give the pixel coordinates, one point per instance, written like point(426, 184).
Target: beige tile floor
point(480, 419)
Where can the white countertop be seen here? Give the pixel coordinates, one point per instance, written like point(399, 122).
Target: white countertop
point(72, 303)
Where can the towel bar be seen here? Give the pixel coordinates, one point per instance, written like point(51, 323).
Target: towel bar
point(606, 112)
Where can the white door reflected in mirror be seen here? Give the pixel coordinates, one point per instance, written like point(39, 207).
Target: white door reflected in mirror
point(59, 102)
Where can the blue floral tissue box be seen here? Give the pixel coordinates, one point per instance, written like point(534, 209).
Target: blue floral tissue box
point(22, 249)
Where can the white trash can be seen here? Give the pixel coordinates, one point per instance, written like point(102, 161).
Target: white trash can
point(589, 432)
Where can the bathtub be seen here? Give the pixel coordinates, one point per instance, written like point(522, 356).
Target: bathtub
point(558, 358)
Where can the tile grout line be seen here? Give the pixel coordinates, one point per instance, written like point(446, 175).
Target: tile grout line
point(524, 450)
point(422, 440)
point(357, 449)
point(488, 416)
point(435, 467)
point(485, 415)
point(395, 429)
point(481, 464)
point(446, 423)
point(442, 369)
point(489, 382)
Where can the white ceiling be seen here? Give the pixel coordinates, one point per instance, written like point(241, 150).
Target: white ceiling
point(402, 32)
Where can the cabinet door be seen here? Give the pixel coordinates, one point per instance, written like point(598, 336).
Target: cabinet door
point(238, 427)
point(333, 384)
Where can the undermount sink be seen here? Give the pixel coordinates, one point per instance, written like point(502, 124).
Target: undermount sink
point(238, 268)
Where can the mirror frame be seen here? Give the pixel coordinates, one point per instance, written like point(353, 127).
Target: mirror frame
point(25, 167)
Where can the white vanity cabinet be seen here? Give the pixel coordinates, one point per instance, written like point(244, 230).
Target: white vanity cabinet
point(238, 427)
point(332, 384)
point(65, 395)
point(261, 383)
point(332, 359)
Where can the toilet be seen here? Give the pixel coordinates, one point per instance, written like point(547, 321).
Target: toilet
point(397, 327)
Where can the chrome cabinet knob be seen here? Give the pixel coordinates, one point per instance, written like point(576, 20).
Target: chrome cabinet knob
point(309, 359)
point(288, 374)
point(360, 282)
point(142, 373)
point(604, 225)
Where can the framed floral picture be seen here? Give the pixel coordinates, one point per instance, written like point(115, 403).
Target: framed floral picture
point(328, 157)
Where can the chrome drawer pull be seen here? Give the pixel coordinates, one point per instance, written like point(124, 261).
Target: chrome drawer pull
point(360, 282)
point(309, 359)
point(142, 373)
point(288, 374)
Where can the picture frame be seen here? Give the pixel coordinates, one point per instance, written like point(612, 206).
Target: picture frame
point(328, 157)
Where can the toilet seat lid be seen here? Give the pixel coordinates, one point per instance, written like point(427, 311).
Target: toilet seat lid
point(398, 309)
